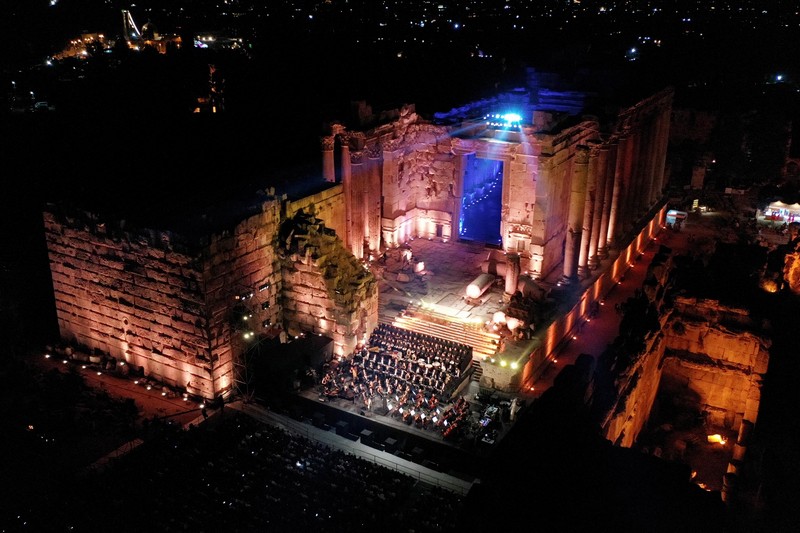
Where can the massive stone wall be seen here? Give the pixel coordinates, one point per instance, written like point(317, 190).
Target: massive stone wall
point(152, 301)
point(242, 284)
point(131, 296)
point(705, 352)
point(328, 205)
point(326, 290)
point(714, 352)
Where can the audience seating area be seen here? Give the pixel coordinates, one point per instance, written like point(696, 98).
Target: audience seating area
point(234, 473)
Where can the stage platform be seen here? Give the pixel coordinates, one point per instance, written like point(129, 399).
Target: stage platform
point(462, 454)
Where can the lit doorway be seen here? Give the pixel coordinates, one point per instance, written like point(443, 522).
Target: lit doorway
point(480, 204)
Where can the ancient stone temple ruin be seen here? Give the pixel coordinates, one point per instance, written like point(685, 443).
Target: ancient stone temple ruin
point(182, 312)
point(564, 195)
point(568, 189)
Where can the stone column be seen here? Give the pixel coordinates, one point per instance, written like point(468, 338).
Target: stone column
point(512, 275)
point(328, 164)
point(599, 207)
point(650, 166)
point(614, 214)
point(577, 198)
point(608, 192)
point(358, 206)
point(347, 190)
point(373, 187)
point(588, 213)
point(389, 200)
point(639, 175)
point(663, 144)
point(629, 182)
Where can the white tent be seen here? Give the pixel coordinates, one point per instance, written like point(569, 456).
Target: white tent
point(781, 211)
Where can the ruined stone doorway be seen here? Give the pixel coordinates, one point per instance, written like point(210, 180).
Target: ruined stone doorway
point(481, 201)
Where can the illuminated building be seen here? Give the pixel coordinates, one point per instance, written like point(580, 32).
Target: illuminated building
point(184, 310)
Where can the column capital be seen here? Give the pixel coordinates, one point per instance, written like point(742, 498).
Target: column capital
point(373, 151)
point(582, 152)
point(356, 157)
point(327, 142)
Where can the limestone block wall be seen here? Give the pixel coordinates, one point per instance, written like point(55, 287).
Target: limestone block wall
point(428, 175)
point(709, 352)
point(326, 290)
point(242, 284)
point(134, 296)
point(159, 304)
point(638, 387)
point(329, 205)
point(722, 368)
point(520, 191)
point(500, 378)
point(551, 211)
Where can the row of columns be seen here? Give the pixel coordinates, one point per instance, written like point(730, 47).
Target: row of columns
point(361, 183)
point(612, 184)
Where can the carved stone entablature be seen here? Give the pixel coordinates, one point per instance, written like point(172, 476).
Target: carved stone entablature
point(495, 150)
point(440, 131)
point(373, 151)
point(328, 142)
point(393, 145)
point(337, 129)
point(463, 146)
point(356, 157)
point(520, 230)
point(357, 140)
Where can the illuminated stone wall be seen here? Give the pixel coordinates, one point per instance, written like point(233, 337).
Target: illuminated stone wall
point(159, 304)
point(242, 276)
point(710, 353)
point(326, 290)
point(717, 354)
point(328, 205)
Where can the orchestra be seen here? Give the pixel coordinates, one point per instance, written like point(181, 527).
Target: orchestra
point(406, 372)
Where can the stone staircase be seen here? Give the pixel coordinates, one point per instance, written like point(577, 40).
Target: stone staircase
point(484, 344)
point(477, 370)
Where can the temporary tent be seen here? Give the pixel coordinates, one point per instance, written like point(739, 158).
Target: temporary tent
point(780, 211)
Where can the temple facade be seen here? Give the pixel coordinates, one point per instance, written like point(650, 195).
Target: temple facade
point(568, 193)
